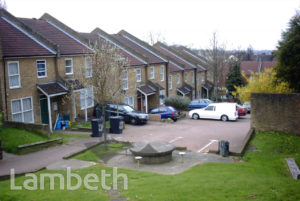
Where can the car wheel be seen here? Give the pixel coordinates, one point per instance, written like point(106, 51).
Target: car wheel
point(133, 121)
point(174, 119)
point(224, 118)
point(195, 116)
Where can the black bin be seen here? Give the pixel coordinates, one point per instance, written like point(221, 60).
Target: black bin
point(224, 148)
point(97, 127)
point(116, 124)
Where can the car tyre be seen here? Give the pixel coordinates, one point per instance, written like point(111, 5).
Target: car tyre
point(133, 121)
point(224, 118)
point(195, 116)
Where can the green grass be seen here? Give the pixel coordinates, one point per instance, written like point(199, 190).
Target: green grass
point(262, 176)
point(13, 137)
point(95, 153)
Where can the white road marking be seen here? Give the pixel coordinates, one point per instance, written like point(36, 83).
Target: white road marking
point(175, 139)
point(211, 141)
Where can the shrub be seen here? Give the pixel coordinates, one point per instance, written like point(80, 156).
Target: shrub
point(178, 102)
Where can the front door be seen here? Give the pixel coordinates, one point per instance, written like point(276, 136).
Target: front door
point(44, 111)
point(139, 103)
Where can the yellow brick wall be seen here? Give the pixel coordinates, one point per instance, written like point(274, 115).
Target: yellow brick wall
point(173, 91)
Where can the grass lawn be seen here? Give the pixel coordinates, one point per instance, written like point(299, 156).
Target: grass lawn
point(263, 175)
point(96, 152)
point(13, 137)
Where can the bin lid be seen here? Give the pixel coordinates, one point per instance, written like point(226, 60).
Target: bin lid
point(116, 117)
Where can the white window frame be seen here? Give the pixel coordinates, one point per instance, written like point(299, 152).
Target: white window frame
point(162, 73)
point(125, 79)
point(202, 77)
point(161, 100)
point(170, 82)
point(85, 99)
point(177, 78)
point(41, 71)
point(22, 112)
point(186, 75)
point(88, 68)
point(138, 74)
point(152, 72)
point(193, 76)
point(127, 101)
point(70, 73)
point(19, 74)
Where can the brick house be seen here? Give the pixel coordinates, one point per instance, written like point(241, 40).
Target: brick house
point(204, 76)
point(39, 63)
point(191, 85)
point(133, 74)
point(153, 82)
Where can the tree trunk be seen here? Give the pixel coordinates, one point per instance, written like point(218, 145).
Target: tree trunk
point(104, 126)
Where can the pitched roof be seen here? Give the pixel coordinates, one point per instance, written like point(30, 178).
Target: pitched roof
point(139, 46)
point(146, 89)
point(17, 41)
point(249, 67)
point(185, 89)
point(68, 44)
point(166, 51)
point(133, 59)
point(268, 64)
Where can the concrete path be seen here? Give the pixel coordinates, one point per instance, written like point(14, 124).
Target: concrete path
point(39, 160)
point(74, 164)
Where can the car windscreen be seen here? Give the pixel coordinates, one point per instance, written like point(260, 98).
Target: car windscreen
point(172, 109)
point(127, 108)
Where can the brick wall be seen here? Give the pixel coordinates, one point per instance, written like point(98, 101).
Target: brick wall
point(173, 91)
point(276, 112)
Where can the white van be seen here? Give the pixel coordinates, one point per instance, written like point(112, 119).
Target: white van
point(222, 111)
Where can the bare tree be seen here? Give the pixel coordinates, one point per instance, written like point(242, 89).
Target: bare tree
point(155, 37)
point(3, 4)
point(105, 77)
point(217, 58)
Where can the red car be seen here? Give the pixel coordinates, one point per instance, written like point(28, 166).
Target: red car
point(242, 111)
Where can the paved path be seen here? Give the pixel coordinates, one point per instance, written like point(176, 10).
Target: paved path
point(38, 160)
point(195, 135)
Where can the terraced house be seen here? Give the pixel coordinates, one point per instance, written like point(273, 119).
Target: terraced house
point(205, 78)
point(153, 79)
point(40, 58)
point(190, 75)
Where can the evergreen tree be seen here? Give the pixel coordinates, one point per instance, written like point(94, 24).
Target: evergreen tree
point(288, 67)
point(234, 77)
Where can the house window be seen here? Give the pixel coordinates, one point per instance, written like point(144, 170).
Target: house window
point(129, 101)
point(178, 78)
point(152, 72)
point(202, 77)
point(193, 77)
point(162, 73)
point(125, 79)
point(186, 76)
point(22, 110)
point(41, 69)
point(69, 66)
point(88, 67)
point(138, 75)
point(161, 96)
point(170, 82)
point(87, 97)
point(14, 75)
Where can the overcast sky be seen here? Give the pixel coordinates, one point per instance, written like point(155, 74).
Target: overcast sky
point(238, 23)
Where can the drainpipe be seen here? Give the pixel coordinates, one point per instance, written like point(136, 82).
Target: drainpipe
point(146, 101)
point(5, 90)
point(167, 79)
point(195, 81)
point(49, 113)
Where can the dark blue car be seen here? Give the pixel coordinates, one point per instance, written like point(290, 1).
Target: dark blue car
point(166, 112)
point(199, 103)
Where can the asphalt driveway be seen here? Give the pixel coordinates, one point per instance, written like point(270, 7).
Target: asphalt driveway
point(195, 135)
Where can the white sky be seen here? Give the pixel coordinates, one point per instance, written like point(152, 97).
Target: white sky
point(238, 23)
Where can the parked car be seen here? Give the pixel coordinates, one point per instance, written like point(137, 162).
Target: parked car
point(242, 111)
point(166, 112)
point(248, 106)
point(199, 103)
point(129, 114)
point(222, 111)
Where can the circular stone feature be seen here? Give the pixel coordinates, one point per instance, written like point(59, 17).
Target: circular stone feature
point(153, 152)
